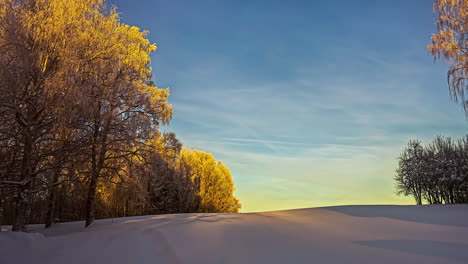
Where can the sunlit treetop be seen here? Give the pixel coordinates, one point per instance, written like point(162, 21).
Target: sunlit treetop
point(83, 41)
point(451, 44)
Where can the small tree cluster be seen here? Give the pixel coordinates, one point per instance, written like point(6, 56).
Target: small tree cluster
point(436, 173)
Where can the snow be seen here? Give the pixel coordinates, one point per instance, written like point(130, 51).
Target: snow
point(345, 234)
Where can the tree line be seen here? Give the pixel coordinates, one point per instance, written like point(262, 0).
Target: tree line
point(80, 118)
point(436, 173)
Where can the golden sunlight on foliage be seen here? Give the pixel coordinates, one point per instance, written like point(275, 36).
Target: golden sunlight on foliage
point(79, 113)
point(171, 180)
point(80, 117)
point(451, 44)
point(213, 180)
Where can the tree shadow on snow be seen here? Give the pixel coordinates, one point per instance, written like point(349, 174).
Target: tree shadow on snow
point(448, 215)
point(152, 221)
point(182, 219)
point(446, 250)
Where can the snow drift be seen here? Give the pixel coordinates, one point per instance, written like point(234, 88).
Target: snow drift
point(345, 234)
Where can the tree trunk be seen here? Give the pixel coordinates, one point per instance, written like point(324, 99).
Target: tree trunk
point(21, 211)
point(126, 207)
point(1, 210)
point(97, 165)
point(51, 201)
point(97, 162)
point(26, 176)
point(91, 200)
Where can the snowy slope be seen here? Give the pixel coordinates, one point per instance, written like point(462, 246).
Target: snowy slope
point(346, 234)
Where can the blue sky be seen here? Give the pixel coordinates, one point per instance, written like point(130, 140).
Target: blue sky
point(308, 103)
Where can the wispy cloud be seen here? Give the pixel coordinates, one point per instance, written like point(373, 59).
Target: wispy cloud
point(301, 108)
point(309, 133)
point(315, 123)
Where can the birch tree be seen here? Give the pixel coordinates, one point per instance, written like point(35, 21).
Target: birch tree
point(450, 44)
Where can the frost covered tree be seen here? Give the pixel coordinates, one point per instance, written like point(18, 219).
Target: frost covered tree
point(410, 172)
point(169, 189)
point(436, 173)
point(80, 119)
point(72, 60)
point(212, 179)
point(450, 44)
point(36, 86)
point(124, 107)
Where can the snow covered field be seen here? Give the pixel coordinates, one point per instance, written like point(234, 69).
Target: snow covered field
point(345, 234)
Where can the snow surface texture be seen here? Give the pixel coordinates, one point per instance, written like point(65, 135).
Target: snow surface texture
point(345, 234)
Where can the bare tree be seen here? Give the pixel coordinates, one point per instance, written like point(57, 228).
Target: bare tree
point(436, 173)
